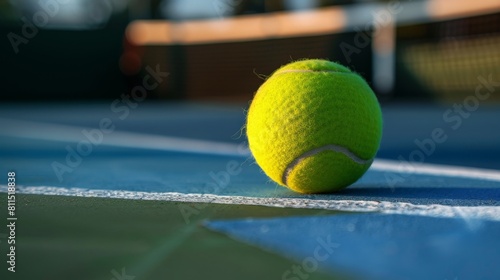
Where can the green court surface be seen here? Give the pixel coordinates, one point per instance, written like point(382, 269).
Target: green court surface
point(60, 237)
point(123, 129)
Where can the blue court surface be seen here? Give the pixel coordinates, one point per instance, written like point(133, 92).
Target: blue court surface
point(124, 151)
point(422, 211)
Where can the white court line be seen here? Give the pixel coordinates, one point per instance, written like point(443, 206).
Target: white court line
point(436, 169)
point(66, 133)
point(73, 134)
point(433, 210)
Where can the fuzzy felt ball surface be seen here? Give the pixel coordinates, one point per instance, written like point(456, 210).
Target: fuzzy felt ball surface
point(314, 126)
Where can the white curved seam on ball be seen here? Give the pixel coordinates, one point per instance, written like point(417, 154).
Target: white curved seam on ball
point(308, 71)
point(316, 151)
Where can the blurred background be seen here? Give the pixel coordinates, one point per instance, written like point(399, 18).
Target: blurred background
point(221, 50)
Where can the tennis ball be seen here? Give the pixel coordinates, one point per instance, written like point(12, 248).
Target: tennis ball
point(314, 126)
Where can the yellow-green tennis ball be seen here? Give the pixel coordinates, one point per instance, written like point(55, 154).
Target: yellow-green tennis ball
point(314, 126)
